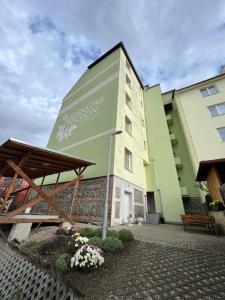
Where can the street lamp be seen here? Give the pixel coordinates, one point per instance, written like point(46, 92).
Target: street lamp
point(105, 219)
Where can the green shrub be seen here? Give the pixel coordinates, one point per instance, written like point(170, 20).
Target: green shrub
point(86, 232)
point(112, 245)
point(110, 233)
point(125, 235)
point(98, 232)
point(113, 233)
point(96, 241)
point(62, 263)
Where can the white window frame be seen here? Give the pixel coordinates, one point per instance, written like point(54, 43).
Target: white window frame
point(222, 136)
point(128, 159)
point(128, 65)
point(128, 81)
point(207, 91)
point(128, 125)
point(216, 109)
point(128, 101)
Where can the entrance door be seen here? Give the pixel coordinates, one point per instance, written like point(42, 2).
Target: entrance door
point(127, 206)
point(151, 203)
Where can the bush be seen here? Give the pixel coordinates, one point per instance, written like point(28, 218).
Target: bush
point(113, 233)
point(126, 235)
point(98, 232)
point(61, 263)
point(96, 241)
point(110, 233)
point(112, 245)
point(87, 232)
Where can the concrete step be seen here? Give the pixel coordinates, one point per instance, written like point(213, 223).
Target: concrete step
point(152, 218)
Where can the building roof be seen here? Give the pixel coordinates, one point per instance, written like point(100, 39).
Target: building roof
point(205, 165)
point(201, 82)
point(117, 46)
point(40, 162)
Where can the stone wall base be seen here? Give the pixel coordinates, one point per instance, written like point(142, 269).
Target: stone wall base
point(89, 205)
point(193, 206)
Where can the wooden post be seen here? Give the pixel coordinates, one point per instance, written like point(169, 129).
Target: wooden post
point(56, 183)
point(214, 184)
point(11, 185)
point(79, 173)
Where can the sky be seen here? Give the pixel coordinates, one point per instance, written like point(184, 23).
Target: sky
point(46, 45)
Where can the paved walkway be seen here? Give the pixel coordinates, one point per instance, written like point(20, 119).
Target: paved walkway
point(174, 235)
point(17, 273)
point(169, 264)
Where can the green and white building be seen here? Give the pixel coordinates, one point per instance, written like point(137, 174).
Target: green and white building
point(155, 160)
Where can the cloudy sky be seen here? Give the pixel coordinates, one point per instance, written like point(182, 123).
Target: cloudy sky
point(45, 45)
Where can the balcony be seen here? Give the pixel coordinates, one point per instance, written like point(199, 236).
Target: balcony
point(184, 191)
point(169, 120)
point(178, 163)
point(173, 139)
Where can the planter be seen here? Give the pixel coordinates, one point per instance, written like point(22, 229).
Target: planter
point(139, 220)
point(129, 219)
point(219, 219)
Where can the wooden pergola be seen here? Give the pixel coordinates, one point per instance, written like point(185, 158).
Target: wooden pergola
point(212, 171)
point(22, 160)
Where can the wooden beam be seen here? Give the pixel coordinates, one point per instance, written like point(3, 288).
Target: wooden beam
point(45, 196)
point(31, 220)
point(11, 185)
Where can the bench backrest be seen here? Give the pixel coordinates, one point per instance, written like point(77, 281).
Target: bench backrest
point(197, 219)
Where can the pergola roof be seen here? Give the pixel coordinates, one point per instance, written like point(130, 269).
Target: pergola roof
point(40, 162)
point(205, 165)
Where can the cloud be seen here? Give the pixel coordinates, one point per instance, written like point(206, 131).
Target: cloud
point(45, 47)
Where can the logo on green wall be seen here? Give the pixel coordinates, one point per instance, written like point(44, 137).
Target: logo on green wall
point(70, 122)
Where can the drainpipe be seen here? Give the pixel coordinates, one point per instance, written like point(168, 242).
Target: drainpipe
point(157, 185)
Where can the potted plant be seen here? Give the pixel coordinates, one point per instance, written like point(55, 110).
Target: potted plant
point(216, 205)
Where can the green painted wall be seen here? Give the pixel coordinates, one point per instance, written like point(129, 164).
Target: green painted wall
point(186, 174)
point(88, 116)
point(160, 151)
point(135, 141)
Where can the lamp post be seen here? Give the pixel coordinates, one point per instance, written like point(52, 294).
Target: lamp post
point(105, 219)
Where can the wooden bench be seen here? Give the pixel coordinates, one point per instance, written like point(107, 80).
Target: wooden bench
point(208, 221)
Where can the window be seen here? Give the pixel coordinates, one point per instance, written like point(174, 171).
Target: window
point(145, 146)
point(128, 81)
point(221, 132)
point(217, 109)
point(210, 90)
point(128, 125)
point(127, 160)
point(128, 100)
point(128, 65)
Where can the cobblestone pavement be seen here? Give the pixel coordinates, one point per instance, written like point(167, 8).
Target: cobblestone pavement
point(156, 271)
point(166, 263)
point(174, 235)
point(16, 273)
